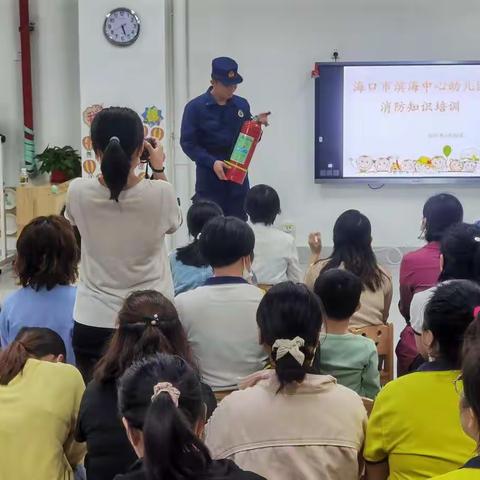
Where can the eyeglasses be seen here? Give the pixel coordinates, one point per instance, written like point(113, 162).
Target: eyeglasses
point(458, 384)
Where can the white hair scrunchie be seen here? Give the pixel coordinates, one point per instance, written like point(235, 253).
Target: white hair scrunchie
point(166, 387)
point(284, 346)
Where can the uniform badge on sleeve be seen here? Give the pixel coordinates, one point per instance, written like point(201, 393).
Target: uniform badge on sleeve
point(240, 113)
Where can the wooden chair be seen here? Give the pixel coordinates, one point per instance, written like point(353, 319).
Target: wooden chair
point(368, 404)
point(382, 335)
point(220, 395)
point(264, 286)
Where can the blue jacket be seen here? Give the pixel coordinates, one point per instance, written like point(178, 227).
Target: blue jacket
point(209, 130)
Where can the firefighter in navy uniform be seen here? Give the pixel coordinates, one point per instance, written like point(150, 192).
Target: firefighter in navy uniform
point(210, 126)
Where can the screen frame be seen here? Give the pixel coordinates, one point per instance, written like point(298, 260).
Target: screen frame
point(384, 180)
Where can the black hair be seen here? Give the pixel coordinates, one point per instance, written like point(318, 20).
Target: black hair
point(262, 204)
point(147, 323)
point(30, 342)
point(352, 238)
point(290, 310)
point(340, 292)
point(172, 450)
point(117, 133)
point(460, 248)
point(224, 240)
point(198, 215)
point(441, 212)
point(471, 369)
point(448, 315)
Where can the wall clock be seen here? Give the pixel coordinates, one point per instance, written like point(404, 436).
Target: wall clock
point(121, 27)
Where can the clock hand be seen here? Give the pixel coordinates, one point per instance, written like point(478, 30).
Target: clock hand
point(123, 28)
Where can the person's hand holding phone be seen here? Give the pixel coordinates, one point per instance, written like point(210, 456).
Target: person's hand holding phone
point(156, 155)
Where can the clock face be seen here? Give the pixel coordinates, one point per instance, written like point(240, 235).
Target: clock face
point(121, 27)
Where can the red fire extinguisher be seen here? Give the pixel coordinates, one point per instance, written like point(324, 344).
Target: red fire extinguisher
point(241, 157)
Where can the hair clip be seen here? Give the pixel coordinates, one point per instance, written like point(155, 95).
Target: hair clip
point(166, 387)
point(154, 321)
point(285, 346)
point(114, 139)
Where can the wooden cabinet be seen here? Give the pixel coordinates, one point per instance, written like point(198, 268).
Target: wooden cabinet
point(34, 201)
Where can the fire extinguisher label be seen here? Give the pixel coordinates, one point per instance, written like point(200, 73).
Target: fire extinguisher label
point(242, 147)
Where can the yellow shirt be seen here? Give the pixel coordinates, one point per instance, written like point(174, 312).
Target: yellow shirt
point(461, 474)
point(415, 424)
point(38, 414)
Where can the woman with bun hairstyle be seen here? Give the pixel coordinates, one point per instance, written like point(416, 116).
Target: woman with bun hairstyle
point(291, 423)
point(147, 324)
point(122, 220)
point(161, 404)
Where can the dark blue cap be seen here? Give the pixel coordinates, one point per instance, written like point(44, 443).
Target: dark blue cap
point(225, 70)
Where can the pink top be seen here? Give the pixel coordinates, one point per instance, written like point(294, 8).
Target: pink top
point(419, 270)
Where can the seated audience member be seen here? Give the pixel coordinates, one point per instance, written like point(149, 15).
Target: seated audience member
point(351, 359)
point(460, 259)
point(468, 388)
point(147, 324)
point(161, 405)
point(46, 266)
point(352, 251)
point(39, 401)
point(420, 269)
point(189, 268)
point(414, 432)
point(219, 318)
point(122, 220)
point(291, 424)
point(275, 256)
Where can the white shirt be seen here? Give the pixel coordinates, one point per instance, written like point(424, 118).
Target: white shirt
point(220, 321)
point(123, 244)
point(417, 308)
point(275, 256)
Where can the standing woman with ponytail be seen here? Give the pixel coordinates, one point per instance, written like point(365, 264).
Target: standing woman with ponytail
point(290, 424)
point(189, 269)
point(39, 401)
point(147, 324)
point(122, 220)
point(161, 405)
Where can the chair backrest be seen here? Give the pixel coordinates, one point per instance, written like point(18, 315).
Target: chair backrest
point(264, 286)
point(221, 394)
point(368, 404)
point(382, 335)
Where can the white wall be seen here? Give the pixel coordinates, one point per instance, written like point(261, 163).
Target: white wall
point(276, 43)
point(54, 51)
point(132, 76)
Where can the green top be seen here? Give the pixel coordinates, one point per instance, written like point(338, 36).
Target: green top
point(352, 360)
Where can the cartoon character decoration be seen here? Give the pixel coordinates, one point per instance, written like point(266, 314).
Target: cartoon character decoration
point(363, 163)
point(471, 160)
point(382, 164)
point(439, 163)
point(87, 145)
point(89, 167)
point(89, 113)
point(152, 116)
point(423, 164)
point(157, 133)
point(455, 165)
point(407, 165)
